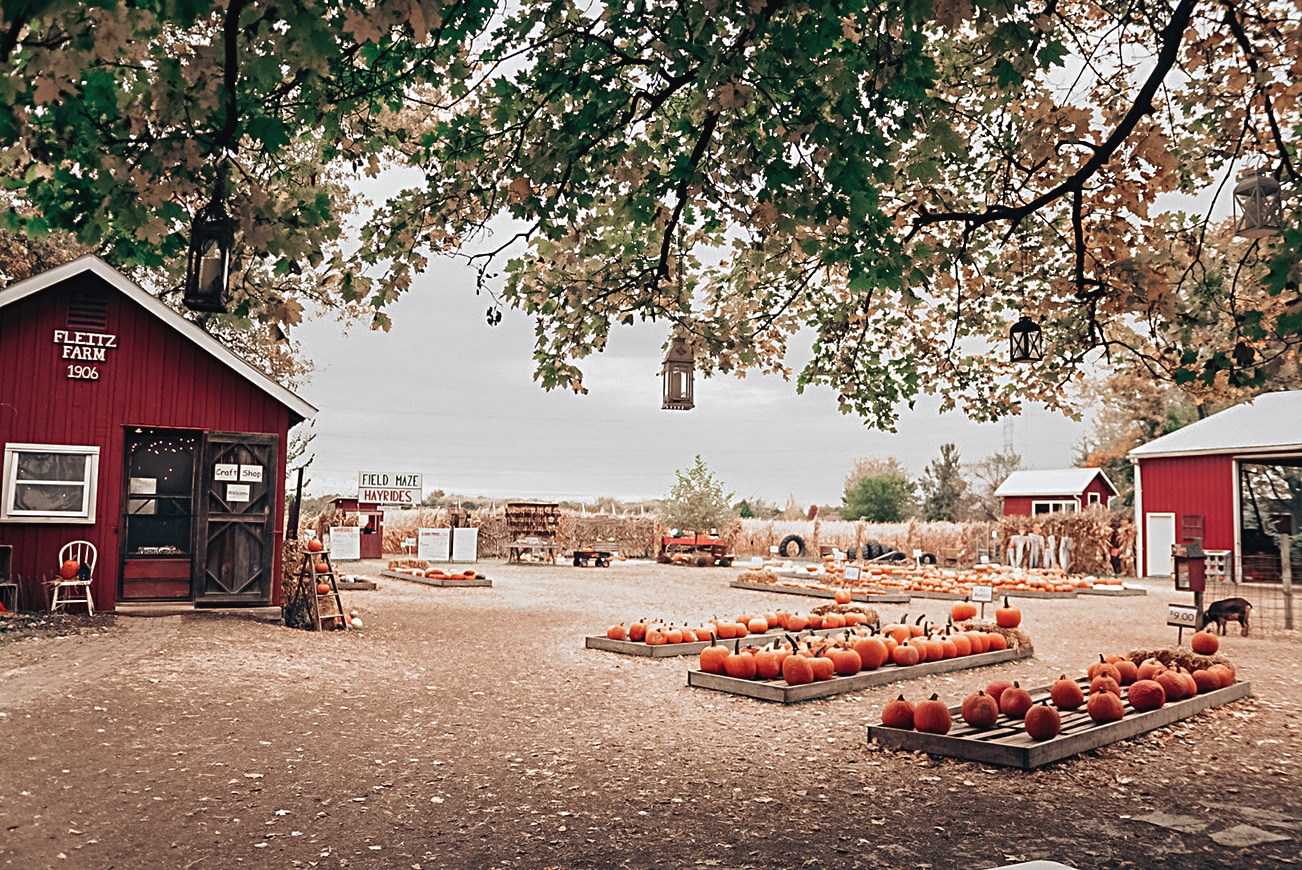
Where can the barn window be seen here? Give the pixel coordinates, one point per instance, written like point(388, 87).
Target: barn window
point(1094, 498)
point(49, 483)
point(1065, 506)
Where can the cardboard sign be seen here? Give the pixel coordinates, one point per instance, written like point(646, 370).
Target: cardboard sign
point(1182, 615)
point(982, 594)
point(345, 543)
point(465, 545)
point(237, 492)
point(434, 545)
point(223, 471)
point(251, 474)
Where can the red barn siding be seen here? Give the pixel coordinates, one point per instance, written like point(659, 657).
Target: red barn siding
point(155, 377)
point(1018, 505)
point(1192, 485)
point(1097, 485)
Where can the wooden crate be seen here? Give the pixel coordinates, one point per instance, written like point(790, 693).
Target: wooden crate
point(669, 650)
point(438, 581)
point(1007, 744)
point(866, 597)
point(779, 691)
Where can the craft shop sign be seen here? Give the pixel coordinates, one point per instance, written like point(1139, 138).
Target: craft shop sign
point(389, 488)
point(83, 351)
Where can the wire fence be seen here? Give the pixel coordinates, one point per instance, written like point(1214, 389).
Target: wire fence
point(1272, 608)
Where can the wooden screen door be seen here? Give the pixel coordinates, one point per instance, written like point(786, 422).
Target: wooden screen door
point(235, 527)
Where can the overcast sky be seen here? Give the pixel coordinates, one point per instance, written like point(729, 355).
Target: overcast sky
point(445, 395)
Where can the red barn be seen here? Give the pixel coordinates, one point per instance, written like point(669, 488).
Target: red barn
point(1030, 493)
point(1231, 480)
point(126, 425)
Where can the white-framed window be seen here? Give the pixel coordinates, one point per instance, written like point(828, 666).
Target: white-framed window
point(49, 483)
point(1064, 506)
point(1094, 498)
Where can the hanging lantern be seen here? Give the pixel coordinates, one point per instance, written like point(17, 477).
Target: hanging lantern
point(679, 369)
point(1258, 206)
point(207, 270)
point(1025, 341)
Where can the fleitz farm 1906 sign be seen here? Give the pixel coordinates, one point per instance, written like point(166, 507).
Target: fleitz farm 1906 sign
point(388, 488)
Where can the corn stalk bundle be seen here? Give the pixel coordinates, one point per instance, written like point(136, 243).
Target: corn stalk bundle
point(755, 537)
point(295, 604)
point(1095, 533)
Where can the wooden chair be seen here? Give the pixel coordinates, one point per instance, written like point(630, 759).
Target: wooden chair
point(84, 554)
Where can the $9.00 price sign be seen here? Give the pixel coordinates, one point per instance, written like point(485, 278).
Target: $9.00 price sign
point(1182, 615)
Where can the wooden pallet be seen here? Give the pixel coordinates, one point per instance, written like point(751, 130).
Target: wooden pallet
point(782, 693)
point(866, 597)
point(999, 593)
point(437, 581)
point(670, 650)
point(1008, 745)
point(1115, 591)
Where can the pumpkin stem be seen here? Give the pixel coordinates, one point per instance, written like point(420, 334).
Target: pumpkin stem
point(921, 617)
point(935, 697)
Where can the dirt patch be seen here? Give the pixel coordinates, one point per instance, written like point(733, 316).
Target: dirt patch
point(469, 728)
point(16, 626)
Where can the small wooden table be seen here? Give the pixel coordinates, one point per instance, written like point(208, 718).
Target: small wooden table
point(528, 545)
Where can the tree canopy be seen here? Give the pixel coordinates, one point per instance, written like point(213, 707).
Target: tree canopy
point(902, 179)
point(884, 498)
point(697, 502)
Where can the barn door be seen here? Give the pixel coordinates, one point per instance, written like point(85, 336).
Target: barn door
point(235, 526)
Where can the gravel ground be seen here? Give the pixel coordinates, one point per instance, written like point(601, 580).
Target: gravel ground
point(470, 728)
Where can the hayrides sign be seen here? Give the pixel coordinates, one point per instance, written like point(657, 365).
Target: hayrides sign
point(404, 490)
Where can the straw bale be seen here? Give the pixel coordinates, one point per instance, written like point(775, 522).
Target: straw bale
point(395, 564)
point(1017, 639)
point(1178, 657)
point(871, 616)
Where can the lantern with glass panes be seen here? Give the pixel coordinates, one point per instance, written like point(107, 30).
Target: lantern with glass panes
point(207, 269)
point(1025, 341)
point(1257, 205)
point(678, 372)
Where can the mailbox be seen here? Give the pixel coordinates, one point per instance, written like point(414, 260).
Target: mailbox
point(1190, 566)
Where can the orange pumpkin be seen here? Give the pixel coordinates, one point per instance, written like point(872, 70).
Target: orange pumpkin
point(712, 658)
point(1105, 707)
point(1008, 616)
point(932, 716)
point(322, 568)
point(980, 710)
point(617, 632)
point(323, 589)
point(997, 688)
point(963, 610)
point(1066, 694)
point(739, 665)
point(637, 631)
point(69, 569)
point(842, 596)
point(797, 670)
point(1146, 695)
point(1204, 643)
point(315, 545)
point(898, 714)
point(1014, 702)
point(1043, 722)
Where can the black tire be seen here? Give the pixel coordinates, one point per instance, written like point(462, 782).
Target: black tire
point(579, 561)
point(603, 563)
point(927, 559)
point(893, 555)
point(788, 541)
point(872, 549)
point(851, 553)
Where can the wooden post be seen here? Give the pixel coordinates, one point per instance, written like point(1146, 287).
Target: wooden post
point(1198, 603)
point(1286, 576)
point(294, 507)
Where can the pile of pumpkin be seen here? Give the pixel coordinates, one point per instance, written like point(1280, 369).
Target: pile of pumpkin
point(656, 632)
point(440, 574)
point(1150, 685)
point(799, 660)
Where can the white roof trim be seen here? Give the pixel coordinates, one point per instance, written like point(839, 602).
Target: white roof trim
point(1268, 424)
point(91, 263)
point(1066, 482)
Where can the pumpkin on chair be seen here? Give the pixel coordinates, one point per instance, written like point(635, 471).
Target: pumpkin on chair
point(69, 569)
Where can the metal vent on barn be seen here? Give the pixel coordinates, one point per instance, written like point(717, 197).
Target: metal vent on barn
point(88, 312)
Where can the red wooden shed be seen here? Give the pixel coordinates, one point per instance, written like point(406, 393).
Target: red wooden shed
point(1030, 493)
point(1230, 480)
point(128, 426)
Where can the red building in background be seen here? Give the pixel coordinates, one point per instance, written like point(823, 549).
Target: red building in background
point(1031, 493)
point(126, 425)
point(1231, 480)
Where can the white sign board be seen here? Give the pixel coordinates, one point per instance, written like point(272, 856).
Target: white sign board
point(250, 473)
point(434, 545)
point(465, 545)
point(383, 487)
point(237, 492)
point(982, 594)
point(852, 572)
point(223, 471)
point(757, 561)
point(1182, 615)
point(345, 543)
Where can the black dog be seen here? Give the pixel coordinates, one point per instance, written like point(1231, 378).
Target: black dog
point(1229, 609)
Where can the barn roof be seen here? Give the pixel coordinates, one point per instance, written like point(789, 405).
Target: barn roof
point(96, 266)
point(1269, 424)
point(1057, 481)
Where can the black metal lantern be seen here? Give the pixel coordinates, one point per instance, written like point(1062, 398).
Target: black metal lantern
point(1025, 341)
point(678, 372)
point(207, 270)
point(1257, 205)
